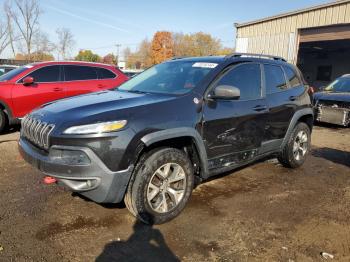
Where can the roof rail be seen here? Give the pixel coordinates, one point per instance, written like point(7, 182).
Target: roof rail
point(256, 55)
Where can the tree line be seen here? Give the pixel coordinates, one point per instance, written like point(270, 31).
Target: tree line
point(20, 31)
point(165, 45)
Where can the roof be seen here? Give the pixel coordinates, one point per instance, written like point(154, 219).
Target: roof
point(238, 25)
point(70, 62)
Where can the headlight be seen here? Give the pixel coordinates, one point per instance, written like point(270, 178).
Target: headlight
point(98, 128)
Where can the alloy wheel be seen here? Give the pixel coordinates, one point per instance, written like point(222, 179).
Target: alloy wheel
point(166, 188)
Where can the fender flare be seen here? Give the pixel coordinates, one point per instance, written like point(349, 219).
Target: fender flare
point(162, 135)
point(297, 115)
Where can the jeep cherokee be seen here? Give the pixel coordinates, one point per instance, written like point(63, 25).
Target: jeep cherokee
point(176, 123)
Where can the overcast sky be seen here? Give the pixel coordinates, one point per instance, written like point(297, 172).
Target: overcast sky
point(100, 25)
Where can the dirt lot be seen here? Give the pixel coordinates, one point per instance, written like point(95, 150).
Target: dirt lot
point(263, 212)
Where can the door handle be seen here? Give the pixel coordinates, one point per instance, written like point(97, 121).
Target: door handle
point(101, 86)
point(57, 89)
point(292, 98)
point(260, 108)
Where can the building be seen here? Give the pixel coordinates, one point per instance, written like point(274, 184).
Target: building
point(317, 39)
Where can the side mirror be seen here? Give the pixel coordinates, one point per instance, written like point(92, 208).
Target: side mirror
point(27, 81)
point(226, 92)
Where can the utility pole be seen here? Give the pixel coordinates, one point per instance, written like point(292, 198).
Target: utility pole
point(118, 46)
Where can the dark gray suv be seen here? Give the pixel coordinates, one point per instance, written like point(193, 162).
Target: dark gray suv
point(181, 121)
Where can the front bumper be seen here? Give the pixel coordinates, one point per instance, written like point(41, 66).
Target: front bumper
point(91, 179)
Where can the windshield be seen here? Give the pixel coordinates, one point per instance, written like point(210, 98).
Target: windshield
point(339, 85)
point(175, 77)
point(13, 73)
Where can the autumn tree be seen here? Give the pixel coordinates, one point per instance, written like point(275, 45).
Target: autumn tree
point(162, 47)
point(87, 55)
point(109, 59)
point(141, 58)
point(25, 16)
point(65, 42)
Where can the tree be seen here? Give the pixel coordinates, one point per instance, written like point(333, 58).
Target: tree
point(109, 59)
point(65, 43)
point(162, 47)
point(4, 36)
point(25, 15)
point(87, 55)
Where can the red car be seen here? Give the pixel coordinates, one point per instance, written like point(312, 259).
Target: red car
point(32, 85)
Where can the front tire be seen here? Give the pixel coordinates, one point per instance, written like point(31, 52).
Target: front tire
point(294, 153)
point(3, 121)
point(161, 186)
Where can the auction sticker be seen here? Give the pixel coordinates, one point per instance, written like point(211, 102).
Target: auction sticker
point(204, 65)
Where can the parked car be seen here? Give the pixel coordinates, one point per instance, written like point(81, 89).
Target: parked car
point(332, 104)
point(6, 68)
point(32, 85)
point(178, 122)
point(132, 72)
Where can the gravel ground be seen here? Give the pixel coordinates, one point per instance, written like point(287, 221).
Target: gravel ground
point(263, 212)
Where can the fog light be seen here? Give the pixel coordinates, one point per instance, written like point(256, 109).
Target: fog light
point(69, 157)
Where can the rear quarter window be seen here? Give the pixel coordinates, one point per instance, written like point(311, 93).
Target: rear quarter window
point(104, 73)
point(292, 77)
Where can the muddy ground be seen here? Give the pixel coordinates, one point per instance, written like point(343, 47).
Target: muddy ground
point(263, 212)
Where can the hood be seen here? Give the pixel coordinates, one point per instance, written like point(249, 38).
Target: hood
point(101, 106)
point(333, 96)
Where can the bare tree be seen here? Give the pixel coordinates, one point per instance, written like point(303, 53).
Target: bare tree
point(4, 36)
point(42, 44)
point(65, 42)
point(25, 16)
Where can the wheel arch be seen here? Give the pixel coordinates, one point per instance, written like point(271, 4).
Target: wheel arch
point(180, 138)
point(305, 115)
point(7, 110)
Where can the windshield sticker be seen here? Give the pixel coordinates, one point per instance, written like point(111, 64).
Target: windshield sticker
point(204, 65)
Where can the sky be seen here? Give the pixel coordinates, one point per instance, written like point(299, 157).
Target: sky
point(100, 25)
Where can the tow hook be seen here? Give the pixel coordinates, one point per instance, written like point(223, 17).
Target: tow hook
point(49, 180)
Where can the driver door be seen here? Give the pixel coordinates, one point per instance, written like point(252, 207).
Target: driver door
point(233, 130)
point(47, 87)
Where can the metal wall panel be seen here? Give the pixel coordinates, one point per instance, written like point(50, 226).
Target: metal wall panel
point(278, 35)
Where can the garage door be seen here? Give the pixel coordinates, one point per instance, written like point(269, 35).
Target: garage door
point(336, 32)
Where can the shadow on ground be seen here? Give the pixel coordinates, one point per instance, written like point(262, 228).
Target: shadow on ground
point(145, 244)
point(334, 155)
point(12, 129)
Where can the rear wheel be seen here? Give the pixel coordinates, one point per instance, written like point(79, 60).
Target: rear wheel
point(295, 151)
point(161, 186)
point(3, 121)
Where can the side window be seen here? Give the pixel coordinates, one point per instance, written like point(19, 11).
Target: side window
point(247, 78)
point(292, 77)
point(73, 72)
point(46, 74)
point(104, 73)
point(275, 79)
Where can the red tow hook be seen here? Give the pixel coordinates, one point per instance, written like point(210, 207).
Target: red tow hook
point(49, 180)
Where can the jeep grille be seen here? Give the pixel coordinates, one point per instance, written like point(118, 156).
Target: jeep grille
point(36, 131)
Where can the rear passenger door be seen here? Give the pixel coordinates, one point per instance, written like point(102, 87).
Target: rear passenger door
point(80, 79)
point(283, 88)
